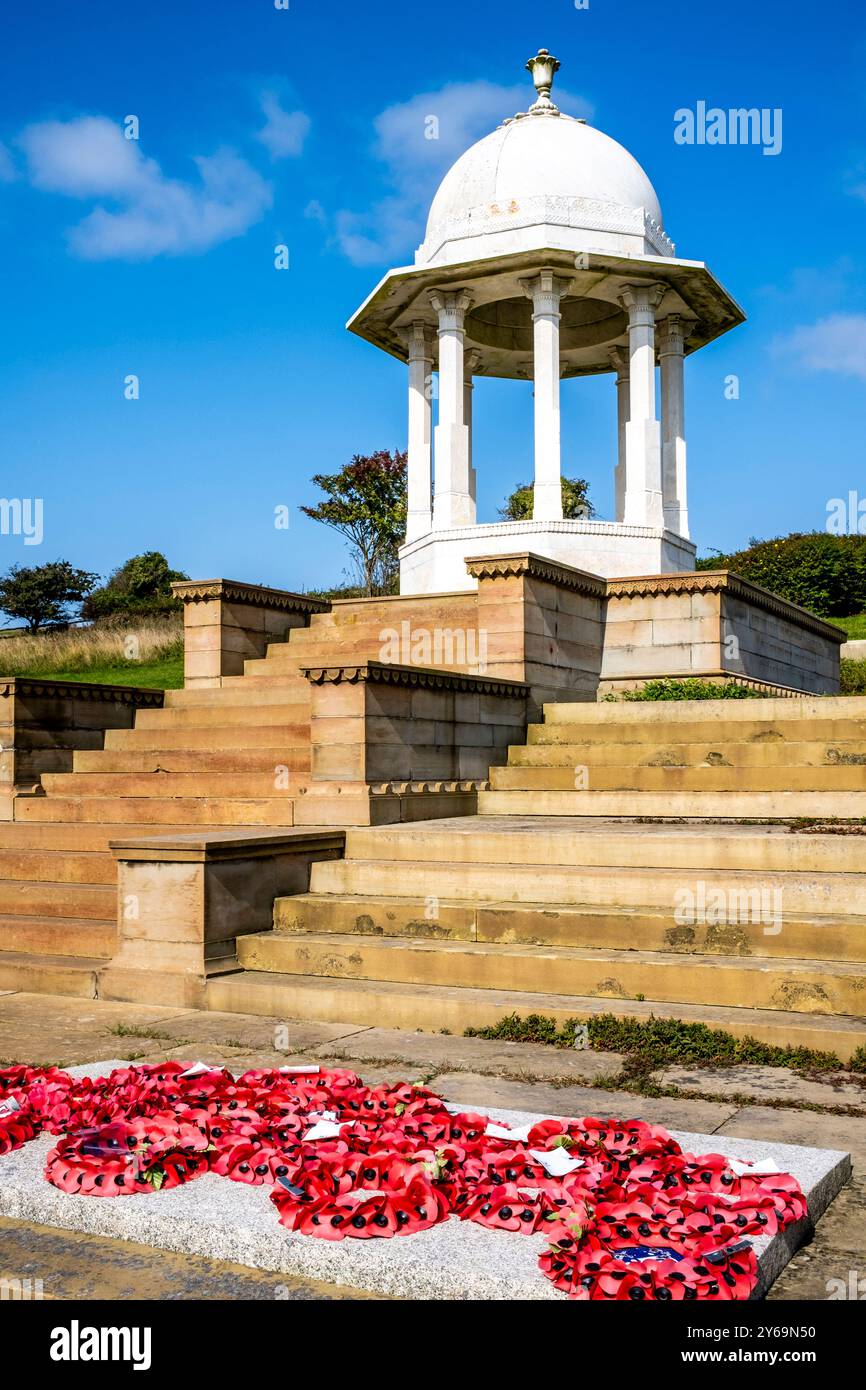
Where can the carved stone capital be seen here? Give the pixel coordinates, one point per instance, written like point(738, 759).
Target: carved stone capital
point(641, 302)
point(451, 306)
point(673, 332)
point(471, 363)
point(619, 360)
point(419, 342)
point(546, 290)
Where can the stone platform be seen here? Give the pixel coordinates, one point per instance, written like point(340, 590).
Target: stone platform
point(215, 1217)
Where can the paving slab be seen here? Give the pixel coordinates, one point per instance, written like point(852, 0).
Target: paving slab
point(768, 1083)
point(41, 1030)
point(256, 1033)
point(72, 1266)
point(223, 1220)
point(801, 1127)
point(475, 1090)
point(442, 1052)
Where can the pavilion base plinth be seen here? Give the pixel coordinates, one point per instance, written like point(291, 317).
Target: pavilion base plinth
point(436, 563)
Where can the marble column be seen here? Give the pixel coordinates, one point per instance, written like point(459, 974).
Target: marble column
point(643, 461)
point(453, 503)
point(619, 360)
point(420, 463)
point(546, 291)
point(471, 361)
point(671, 350)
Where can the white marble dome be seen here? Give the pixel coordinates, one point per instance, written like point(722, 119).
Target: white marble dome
point(541, 180)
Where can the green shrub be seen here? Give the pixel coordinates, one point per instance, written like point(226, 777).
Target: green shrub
point(690, 689)
point(659, 1041)
point(852, 677)
point(140, 588)
point(824, 573)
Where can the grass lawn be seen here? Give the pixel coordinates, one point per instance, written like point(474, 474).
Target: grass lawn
point(165, 674)
point(855, 626)
point(149, 654)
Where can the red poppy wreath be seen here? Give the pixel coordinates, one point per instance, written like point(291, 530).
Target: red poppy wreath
point(623, 1212)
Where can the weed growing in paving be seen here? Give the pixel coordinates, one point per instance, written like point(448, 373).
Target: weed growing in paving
point(690, 689)
point(659, 1041)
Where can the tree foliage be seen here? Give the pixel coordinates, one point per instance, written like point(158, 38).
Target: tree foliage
point(44, 595)
point(141, 587)
point(366, 503)
point(575, 501)
point(821, 572)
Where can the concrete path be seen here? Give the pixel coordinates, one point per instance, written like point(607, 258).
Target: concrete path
point(765, 1103)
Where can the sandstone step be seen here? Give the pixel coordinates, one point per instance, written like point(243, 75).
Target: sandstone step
point(57, 936)
point(24, 898)
point(716, 732)
point(74, 976)
point(587, 842)
point(246, 785)
point(597, 776)
point(455, 607)
point(177, 760)
point(223, 697)
point(718, 805)
point(832, 987)
point(543, 924)
point(77, 838)
point(722, 753)
point(772, 710)
point(287, 712)
point(66, 866)
point(371, 915)
point(219, 738)
point(826, 894)
point(435, 1009)
point(148, 811)
point(268, 680)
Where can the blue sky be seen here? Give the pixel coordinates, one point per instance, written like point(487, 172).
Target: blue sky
point(304, 126)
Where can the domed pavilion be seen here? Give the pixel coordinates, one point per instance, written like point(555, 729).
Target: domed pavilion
point(546, 257)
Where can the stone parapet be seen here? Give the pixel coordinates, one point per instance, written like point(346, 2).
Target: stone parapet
point(43, 722)
point(184, 899)
point(376, 722)
point(695, 625)
point(227, 622)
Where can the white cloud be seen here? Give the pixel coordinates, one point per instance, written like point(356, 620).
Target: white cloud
point(416, 141)
point(833, 344)
point(284, 132)
point(153, 215)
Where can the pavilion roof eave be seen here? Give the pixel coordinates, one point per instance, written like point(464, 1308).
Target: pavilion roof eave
point(716, 311)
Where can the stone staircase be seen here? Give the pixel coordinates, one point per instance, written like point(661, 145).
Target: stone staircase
point(774, 758)
point(230, 756)
point(546, 903)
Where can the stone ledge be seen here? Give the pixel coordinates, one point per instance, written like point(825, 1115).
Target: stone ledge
point(420, 677)
point(257, 595)
point(226, 844)
point(36, 686)
point(723, 582)
point(527, 563)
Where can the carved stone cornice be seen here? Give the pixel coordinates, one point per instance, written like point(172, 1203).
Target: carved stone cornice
point(418, 677)
point(36, 687)
point(724, 582)
point(437, 787)
point(527, 563)
point(256, 595)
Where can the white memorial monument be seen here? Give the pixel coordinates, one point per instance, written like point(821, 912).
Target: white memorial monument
point(545, 257)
